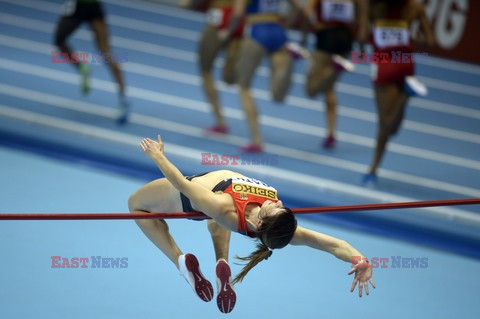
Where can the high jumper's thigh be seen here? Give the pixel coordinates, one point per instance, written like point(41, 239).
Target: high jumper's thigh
point(157, 196)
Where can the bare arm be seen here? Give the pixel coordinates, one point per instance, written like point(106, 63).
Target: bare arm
point(362, 18)
point(340, 249)
point(239, 7)
point(424, 35)
point(425, 25)
point(337, 247)
point(308, 20)
point(296, 10)
point(203, 198)
point(308, 11)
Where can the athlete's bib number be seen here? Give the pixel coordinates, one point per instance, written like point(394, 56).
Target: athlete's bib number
point(214, 17)
point(391, 36)
point(338, 11)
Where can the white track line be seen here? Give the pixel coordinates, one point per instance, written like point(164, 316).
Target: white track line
point(268, 121)
point(199, 17)
point(194, 36)
point(189, 79)
point(450, 214)
point(144, 94)
point(191, 57)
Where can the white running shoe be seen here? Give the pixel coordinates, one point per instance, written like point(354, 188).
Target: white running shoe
point(226, 297)
point(190, 270)
point(341, 64)
point(414, 87)
point(297, 51)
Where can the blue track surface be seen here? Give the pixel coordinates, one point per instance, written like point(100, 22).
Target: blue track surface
point(435, 156)
point(296, 282)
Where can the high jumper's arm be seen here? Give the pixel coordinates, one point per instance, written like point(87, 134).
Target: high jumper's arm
point(203, 199)
point(340, 249)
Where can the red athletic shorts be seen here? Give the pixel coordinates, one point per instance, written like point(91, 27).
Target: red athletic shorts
point(220, 18)
point(393, 65)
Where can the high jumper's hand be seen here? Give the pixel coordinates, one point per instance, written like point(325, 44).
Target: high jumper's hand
point(152, 148)
point(363, 275)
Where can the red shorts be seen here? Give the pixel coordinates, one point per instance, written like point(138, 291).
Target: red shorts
point(220, 18)
point(395, 65)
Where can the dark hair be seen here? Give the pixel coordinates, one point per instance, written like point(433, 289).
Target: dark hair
point(276, 232)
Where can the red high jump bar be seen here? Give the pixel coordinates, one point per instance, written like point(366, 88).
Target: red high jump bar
point(197, 215)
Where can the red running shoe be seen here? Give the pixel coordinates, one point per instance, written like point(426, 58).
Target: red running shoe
point(190, 270)
point(252, 148)
point(329, 142)
point(226, 297)
point(217, 129)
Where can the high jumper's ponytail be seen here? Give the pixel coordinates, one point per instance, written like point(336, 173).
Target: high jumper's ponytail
point(262, 253)
point(276, 232)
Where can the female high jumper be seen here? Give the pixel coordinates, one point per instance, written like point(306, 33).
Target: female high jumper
point(235, 203)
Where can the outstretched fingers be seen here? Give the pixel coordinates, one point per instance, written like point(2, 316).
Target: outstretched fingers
point(372, 283)
point(142, 145)
point(364, 285)
point(352, 271)
point(354, 284)
point(145, 144)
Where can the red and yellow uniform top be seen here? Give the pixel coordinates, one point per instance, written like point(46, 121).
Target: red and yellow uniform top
point(246, 191)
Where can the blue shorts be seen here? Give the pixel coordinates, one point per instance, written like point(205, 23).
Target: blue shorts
point(187, 204)
point(271, 36)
